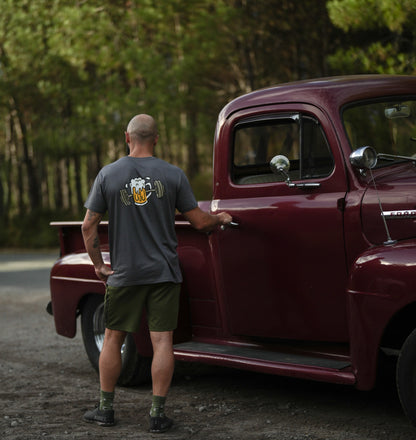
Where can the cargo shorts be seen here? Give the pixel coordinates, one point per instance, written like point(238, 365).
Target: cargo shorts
point(124, 306)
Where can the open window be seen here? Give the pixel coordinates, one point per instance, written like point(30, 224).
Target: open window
point(298, 137)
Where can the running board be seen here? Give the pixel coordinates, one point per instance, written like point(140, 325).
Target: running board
point(279, 363)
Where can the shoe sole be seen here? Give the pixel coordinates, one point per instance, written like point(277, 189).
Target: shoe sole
point(158, 431)
point(97, 422)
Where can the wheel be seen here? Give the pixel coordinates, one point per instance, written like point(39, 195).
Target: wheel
point(406, 377)
point(135, 368)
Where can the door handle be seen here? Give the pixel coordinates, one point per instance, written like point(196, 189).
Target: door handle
point(229, 225)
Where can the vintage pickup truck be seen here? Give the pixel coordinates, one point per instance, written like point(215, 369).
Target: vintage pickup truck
point(316, 276)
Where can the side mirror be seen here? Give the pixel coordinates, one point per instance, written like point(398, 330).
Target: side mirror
point(280, 165)
point(364, 158)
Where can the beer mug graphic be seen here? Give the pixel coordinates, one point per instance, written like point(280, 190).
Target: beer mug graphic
point(138, 191)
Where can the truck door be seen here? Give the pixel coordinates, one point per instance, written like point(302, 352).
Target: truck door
point(282, 269)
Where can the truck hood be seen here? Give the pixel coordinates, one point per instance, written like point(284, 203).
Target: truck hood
point(396, 187)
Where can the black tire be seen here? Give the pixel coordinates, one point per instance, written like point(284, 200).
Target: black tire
point(406, 377)
point(135, 368)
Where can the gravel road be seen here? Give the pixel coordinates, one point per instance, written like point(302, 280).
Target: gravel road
point(46, 384)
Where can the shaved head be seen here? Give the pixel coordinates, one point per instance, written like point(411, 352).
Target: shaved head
point(142, 128)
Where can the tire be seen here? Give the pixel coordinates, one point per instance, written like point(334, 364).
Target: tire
point(135, 369)
point(406, 377)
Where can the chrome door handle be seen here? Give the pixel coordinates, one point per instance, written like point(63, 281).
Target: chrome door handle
point(230, 225)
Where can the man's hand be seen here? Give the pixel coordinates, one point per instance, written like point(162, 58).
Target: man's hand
point(205, 222)
point(103, 272)
point(224, 218)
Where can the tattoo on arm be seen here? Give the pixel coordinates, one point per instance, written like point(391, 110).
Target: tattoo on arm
point(96, 242)
point(93, 215)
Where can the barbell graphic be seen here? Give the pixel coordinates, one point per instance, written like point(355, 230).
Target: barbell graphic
point(158, 189)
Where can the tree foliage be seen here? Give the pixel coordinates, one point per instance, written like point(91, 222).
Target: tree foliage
point(73, 72)
point(382, 36)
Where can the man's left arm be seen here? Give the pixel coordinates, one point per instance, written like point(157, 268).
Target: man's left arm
point(91, 238)
point(204, 221)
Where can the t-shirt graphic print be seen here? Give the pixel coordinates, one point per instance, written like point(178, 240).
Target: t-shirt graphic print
point(139, 190)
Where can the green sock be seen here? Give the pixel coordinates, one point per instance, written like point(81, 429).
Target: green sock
point(158, 406)
point(106, 400)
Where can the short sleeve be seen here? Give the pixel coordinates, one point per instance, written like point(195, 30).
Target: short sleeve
point(185, 200)
point(96, 201)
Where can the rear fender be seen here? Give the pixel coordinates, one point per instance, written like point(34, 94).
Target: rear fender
point(382, 282)
point(72, 278)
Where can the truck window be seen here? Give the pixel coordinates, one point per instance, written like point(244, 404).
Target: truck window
point(389, 126)
point(299, 138)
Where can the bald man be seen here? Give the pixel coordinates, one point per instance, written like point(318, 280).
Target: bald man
point(141, 194)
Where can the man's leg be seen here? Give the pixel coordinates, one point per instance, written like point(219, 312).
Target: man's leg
point(110, 359)
point(163, 363)
point(110, 368)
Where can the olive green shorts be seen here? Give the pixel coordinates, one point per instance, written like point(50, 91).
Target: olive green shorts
point(123, 307)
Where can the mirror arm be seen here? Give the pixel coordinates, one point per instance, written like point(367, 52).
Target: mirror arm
point(395, 156)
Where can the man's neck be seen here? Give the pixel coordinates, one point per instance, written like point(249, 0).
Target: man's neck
point(142, 155)
point(141, 151)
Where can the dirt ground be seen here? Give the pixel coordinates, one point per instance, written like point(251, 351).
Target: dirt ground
point(47, 383)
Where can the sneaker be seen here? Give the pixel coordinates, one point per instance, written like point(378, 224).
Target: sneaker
point(104, 417)
point(160, 424)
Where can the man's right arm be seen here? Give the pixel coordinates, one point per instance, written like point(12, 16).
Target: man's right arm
point(89, 230)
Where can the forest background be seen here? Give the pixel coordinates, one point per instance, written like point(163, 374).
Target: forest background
point(73, 73)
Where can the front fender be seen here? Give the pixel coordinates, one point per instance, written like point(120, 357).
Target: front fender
point(382, 281)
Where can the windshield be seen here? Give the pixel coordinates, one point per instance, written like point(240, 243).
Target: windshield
point(389, 127)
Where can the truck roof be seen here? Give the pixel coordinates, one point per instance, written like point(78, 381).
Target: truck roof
point(324, 92)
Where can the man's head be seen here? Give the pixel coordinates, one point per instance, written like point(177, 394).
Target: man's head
point(142, 129)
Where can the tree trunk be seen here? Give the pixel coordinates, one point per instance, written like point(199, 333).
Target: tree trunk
point(33, 184)
point(192, 142)
point(58, 189)
point(78, 185)
point(67, 166)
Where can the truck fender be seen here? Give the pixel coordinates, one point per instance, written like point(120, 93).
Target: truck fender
point(72, 278)
point(382, 281)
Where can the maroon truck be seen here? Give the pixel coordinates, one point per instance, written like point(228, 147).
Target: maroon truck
point(316, 276)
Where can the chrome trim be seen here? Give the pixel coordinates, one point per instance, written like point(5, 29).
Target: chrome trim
point(83, 280)
point(405, 213)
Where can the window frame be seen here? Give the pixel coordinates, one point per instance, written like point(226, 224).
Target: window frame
point(296, 116)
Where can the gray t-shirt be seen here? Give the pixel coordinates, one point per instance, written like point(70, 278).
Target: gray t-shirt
point(141, 196)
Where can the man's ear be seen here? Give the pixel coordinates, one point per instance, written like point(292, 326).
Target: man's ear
point(127, 136)
point(156, 139)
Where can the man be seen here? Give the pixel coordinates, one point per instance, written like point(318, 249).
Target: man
point(141, 194)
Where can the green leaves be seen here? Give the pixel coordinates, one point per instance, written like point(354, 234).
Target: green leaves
point(367, 14)
point(385, 34)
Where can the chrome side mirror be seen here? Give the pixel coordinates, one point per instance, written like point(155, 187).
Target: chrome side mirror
point(364, 158)
point(280, 165)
